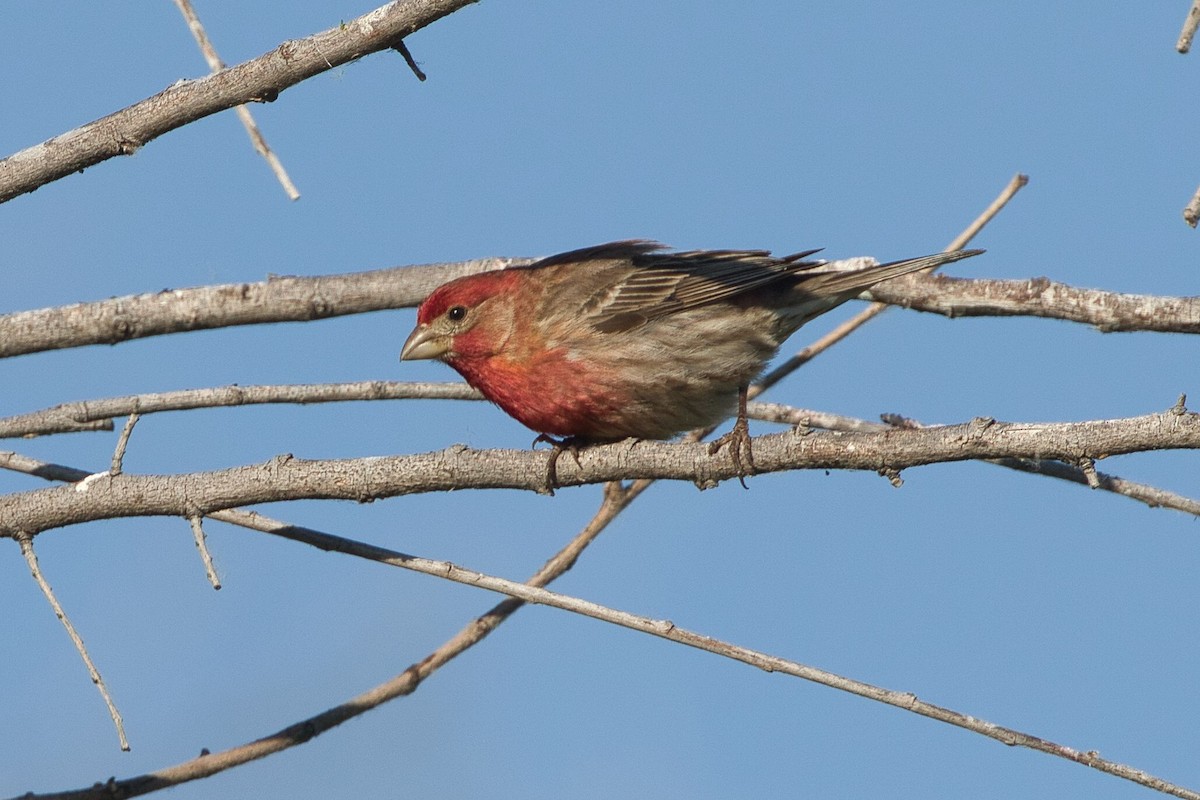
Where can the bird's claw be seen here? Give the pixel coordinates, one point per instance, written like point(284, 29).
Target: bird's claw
point(738, 440)
point(568, 443)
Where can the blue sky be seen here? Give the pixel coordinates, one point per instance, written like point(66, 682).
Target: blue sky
point(867, 129)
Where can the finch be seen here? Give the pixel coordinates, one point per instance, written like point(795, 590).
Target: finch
point(626, 340)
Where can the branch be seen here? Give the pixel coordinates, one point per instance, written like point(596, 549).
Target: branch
point(296, 299)
point(107, 496)
point(278, 299)
point(1144, 493)
point(84, 414)
point(259, 80)
point(1042, 297)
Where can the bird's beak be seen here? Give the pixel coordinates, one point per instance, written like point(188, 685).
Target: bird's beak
point(424, 342)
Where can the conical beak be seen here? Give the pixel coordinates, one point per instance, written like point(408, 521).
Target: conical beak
point(424, 342)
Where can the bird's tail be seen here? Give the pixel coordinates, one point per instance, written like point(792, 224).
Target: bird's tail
point(850, 282)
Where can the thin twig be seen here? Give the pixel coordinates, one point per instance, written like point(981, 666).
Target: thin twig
point(202, 545)
point(401, 48)
point(26, 543)
point(216, 65)
point(1188, 33)
point(83, 414)
point(875, 309)
point(118, 457)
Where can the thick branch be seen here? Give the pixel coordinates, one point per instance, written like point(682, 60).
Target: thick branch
point(260, 80)
point(282, 299)
point(106, 496)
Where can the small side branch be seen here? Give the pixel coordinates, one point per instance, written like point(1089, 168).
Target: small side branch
point(202, 545)
point(401, 48)
point(26, 543)
point(122, 443)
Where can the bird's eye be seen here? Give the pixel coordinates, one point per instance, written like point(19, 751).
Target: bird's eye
point(457, 314)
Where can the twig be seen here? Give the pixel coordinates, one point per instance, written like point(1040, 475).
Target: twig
point(1189, 31)
point(216, 65)
point(71, 417)
point(26, 543)
point(401, 48)
point(202, 545)
point(875, 309)
point(122, 442)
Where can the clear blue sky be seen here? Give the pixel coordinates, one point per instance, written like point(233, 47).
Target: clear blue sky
point(864, 128)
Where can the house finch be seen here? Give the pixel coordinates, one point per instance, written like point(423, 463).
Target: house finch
point(624, 340)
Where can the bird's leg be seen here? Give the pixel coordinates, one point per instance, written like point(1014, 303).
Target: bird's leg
point(569, 443)
point(738, 440)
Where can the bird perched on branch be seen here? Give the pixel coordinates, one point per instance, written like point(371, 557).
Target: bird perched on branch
point(626, 340)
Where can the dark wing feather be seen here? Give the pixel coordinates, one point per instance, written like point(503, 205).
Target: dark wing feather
point(650, 284)
point(667, 283)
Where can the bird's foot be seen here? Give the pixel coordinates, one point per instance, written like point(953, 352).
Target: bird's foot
point(740, 450)
point(572, 444)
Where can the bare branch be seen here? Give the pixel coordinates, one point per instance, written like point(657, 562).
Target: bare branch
point(1041, 297)
point(26, 542)
point(106, 496)
point(296, 299)
point(1144, 493)
point(215, 64)
point(84, 414)
point(258, 80)
point(278, 299)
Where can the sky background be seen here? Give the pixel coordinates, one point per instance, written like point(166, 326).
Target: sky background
point(875, 129)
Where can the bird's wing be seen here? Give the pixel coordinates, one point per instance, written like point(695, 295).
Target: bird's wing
point(636, 283)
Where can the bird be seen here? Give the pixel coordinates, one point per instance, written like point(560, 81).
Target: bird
point(630, 339)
